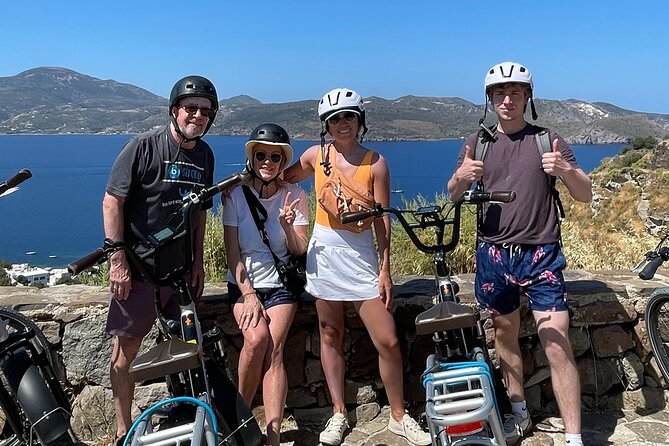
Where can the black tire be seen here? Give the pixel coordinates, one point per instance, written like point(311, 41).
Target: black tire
point(657, 325)
point(18, 323)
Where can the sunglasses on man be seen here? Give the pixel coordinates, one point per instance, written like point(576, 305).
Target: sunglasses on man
point(347, 116)
point(192, 110)
point(274, 157)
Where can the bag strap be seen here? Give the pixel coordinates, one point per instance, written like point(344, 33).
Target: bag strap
point(259, 214)
point(483, 142)
point(544, 144)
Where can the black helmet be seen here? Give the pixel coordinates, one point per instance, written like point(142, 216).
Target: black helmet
point(195, 86)
point(272, 134)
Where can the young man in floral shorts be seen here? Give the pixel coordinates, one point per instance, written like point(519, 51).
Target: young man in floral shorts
point(519, 242)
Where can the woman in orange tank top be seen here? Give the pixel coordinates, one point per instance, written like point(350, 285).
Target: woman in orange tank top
point(345, 266)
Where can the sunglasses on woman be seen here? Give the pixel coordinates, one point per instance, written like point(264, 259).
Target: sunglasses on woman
point(274, 157)
point(348, 117)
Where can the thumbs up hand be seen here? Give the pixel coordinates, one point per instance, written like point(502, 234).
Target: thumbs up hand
point(470, 170)
point(552, 162)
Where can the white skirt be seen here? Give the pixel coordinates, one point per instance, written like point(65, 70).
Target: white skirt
point(342, 265)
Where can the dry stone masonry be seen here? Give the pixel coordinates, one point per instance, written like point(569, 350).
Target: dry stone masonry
point(607, 333)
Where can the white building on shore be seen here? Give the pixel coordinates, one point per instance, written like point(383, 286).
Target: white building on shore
point(23, 273)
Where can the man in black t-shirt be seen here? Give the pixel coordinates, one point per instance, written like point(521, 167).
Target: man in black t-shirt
point(518, 250)
point(146, 185)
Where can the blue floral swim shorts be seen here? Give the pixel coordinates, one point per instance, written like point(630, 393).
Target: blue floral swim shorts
point(504, 271)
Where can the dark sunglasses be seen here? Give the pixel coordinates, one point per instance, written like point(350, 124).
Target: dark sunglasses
point(348, 117)
point(274, 157)
point(192, 110)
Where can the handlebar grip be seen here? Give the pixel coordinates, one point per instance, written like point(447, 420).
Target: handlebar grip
point(350, 217)
point(19, 178)
point(231, 181)
point(650, 269)
point(503, 196)
point(86, 262)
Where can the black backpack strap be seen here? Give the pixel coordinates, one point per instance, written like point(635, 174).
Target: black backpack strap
point(545, 145)
point(484, 140)
point(542, 136)
point(259, 214)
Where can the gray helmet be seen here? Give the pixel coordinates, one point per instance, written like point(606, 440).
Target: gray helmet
point(195, 86)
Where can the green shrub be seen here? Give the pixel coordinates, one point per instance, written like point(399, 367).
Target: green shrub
point(215, 259)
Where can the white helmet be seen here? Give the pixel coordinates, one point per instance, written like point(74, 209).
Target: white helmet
point(340, 100)
point(508, 72)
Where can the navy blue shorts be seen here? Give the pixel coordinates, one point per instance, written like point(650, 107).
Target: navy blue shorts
point(269, 297)
point(504, 271)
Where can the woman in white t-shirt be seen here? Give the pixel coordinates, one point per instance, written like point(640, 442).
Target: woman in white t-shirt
point(263, 307)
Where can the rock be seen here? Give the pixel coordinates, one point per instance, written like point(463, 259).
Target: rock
point(603, 313)
point(86, 347)
point(611, 341)
point(598, 378)
point(366, 412)
point(313, 371)
point(93, 413)
point(538, 376)
point(300, 397)
point(633, 370)
point(644, 400)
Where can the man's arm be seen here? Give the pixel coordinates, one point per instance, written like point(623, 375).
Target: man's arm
point(469, 171)
point(120, 279)
point(577, 182)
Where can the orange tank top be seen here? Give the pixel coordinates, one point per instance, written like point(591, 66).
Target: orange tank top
point(363, 174)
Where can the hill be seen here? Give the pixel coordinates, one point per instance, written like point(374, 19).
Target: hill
point(51, 100)
point(628, 213)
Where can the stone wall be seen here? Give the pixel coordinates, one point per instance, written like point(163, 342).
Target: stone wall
point(607, 333)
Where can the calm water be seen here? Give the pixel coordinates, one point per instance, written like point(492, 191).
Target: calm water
point(58, 211)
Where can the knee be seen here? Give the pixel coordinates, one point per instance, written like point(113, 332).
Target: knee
point(124, 352)
point(558, 350)
point(389, 343)
point(331, 335)
point(255, 342)
point(506, 334)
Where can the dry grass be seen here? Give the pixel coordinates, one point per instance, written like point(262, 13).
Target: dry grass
point(607, 235)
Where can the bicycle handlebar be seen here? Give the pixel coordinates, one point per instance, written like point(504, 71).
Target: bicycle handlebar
point(191, 202)
point(477, 197)
point(655, 259)
point(87, 261)
point(14, 181)
point(432, 218)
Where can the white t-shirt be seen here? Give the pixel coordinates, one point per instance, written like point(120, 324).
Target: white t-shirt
point(255, 256)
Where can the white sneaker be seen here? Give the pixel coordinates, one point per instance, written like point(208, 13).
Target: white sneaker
point(333, 434)
point(409, 429)
point(516, 427)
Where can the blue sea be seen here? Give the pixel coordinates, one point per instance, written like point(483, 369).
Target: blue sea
point(57, 213)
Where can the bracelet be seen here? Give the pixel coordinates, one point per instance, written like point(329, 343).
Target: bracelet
point(248, 293)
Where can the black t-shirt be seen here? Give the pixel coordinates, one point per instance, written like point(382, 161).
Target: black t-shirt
point(153, 175)
point(513, 163)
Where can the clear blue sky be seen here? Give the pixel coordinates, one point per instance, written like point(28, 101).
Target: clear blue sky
point(285, 50)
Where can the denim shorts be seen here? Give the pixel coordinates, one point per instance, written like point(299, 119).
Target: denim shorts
point(269, 297)
point(504, 271)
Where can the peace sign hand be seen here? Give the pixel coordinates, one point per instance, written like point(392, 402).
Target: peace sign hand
point(287, 212)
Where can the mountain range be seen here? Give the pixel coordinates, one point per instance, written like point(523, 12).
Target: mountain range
point(53, 100)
